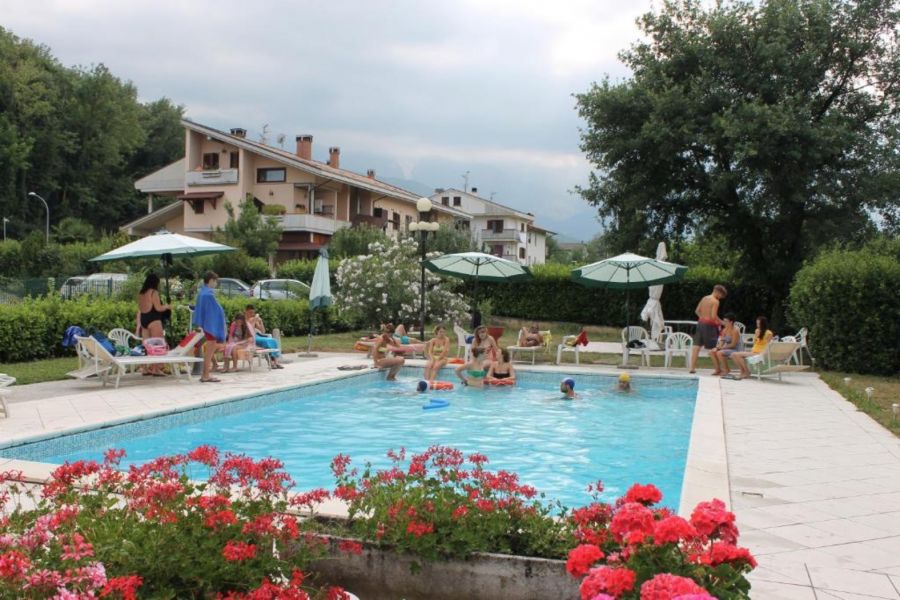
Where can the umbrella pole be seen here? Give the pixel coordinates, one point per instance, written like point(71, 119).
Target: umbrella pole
point(476, 316)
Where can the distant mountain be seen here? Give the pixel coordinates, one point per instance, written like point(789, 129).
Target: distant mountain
point(416, 187)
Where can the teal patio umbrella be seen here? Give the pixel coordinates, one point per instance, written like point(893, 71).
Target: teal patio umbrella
point(319, 292)
point(628, 272)
point(477, 266)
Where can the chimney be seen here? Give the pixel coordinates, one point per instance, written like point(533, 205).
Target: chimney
point(334, 157)
point(474, 190)
point(438, 190)
point(370, 173)
point(304, 146)
point(239, 132)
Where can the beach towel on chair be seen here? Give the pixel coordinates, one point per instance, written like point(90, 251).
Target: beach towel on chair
point(103, 341)
point(68, 340)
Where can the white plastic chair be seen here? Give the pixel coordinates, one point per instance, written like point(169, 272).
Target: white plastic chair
point(741, 328)
point(632, 333)
point(803, 338)
point(679, 344)
point(5, 382)
point(122, 337)
point(461, 344)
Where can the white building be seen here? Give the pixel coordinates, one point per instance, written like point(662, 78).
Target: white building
point(499, 229)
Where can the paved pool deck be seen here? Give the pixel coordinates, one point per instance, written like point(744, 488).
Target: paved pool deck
point(815, 483)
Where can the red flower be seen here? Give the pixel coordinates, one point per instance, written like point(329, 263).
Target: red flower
point(581, 558)
point(219, 518)
point(350, 547)
point(13, 565)
point(236, 551)
point(606, 580)
point(672, 530)
point(207, 455)
point(113, 456)
point(124, 586)
point(668, 587)
point(711, 519)
point(77, 549)
point(337, 593)
point(723, 552)
point(339, 465)
point(477, 458)
point(644, 494)
point(632, 523)
point(419, 529)
point(459, 512)
point(310, 498)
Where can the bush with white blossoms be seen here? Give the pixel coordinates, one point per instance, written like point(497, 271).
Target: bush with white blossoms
point(384, 286)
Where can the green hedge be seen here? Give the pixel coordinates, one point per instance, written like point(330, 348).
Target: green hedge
point(849, 301)
point(33, 328)
point(302, 270)
point(553, 296)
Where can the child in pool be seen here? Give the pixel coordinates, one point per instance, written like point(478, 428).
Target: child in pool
point(436, 352)
point(624, 384)
point(567, 387)
point(472, 373)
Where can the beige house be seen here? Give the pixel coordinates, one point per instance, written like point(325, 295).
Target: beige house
point(315, 199)
point(498, 229)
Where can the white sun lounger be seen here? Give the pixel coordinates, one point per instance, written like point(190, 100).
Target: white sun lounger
point(775, 360)
point(5, 381)
point(102, 363)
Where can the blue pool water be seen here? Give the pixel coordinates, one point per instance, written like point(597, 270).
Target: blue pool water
point(556, 445)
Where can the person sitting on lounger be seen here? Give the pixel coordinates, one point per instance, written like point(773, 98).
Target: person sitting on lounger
point(761, 338)
point(473, 372)
point(436, 352)
point(260, 337)
point(380, 353)
point(530, 337)
point(729, 343)
point(502, 369)
point(240, 339)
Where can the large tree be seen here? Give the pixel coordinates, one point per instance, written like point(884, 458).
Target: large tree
point(771, 124)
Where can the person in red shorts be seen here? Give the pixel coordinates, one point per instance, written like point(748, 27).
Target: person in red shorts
point(210, 317)
point(708, 323)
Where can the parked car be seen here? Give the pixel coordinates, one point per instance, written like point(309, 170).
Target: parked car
point(229, 287)
point(279, 289)
point(103, 284)
point(72, 287)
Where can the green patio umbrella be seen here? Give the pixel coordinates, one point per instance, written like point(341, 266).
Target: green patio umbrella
point(164, 245)
point(477, 266)
point(319, 292)
point(628, 272)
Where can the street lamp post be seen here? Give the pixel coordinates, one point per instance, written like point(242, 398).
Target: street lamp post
point(423, 226)
point(5, 221)
point(47, 230)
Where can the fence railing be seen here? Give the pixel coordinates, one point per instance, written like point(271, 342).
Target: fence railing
point(14, 290)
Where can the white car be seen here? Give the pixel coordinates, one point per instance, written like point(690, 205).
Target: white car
point(103, 284)
point(279, 289)
point(72, 287)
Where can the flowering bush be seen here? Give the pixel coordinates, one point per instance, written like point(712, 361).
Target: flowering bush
point(94, 531)
point(442, 503)
point(384, 285)
point(631, 551)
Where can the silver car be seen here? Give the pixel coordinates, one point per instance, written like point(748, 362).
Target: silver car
point(279, 289)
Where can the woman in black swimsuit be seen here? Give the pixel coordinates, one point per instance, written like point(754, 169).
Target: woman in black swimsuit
point(152, 312)
point(502, 369)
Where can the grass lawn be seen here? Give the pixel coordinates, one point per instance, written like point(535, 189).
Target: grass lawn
point(36, 371)
point(886, 393)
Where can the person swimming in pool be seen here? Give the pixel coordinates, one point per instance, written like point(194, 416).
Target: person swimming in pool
point(624, 383)
point(567, 387)
point(473, 372)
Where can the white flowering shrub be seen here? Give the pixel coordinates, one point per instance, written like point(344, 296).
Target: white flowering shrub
point(384, 286)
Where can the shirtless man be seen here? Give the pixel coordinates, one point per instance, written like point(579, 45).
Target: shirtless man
point(707, 323)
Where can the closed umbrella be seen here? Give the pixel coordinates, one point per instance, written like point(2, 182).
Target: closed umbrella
point(319, 292)
point(164, 245)
point(653, 309)
point(477, 266)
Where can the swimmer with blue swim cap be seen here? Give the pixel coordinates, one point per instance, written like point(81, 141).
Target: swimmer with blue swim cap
point(422, 386)
point(567, 387)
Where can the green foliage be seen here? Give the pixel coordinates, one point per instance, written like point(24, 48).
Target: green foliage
point(303, 270)
point(354, 241)
point(746, 121)
point(274, 209)
point(553, 296)
point(10, 258)
point(849, 302)
point(73, 229)
point(233, 264)
point(447, 240)
point(78, 137)
point(256, 235)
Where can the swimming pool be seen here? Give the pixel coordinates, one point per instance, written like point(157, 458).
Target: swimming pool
point(558, 446)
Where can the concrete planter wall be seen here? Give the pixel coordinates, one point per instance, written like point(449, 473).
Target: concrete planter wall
point(381, 574)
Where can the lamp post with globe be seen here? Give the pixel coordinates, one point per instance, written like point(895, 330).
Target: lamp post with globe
point(424, 226)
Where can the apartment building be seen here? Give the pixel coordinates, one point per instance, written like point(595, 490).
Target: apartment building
point(313, 199)
point(498, 229)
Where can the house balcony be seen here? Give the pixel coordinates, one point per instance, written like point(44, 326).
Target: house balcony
point(506, 235)
point(366, 220)
point(313, 223)
point(217, 177)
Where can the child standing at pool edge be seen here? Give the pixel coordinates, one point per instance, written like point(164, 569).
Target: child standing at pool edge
point(436, 352)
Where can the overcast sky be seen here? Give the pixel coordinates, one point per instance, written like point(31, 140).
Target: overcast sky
point(422, 91)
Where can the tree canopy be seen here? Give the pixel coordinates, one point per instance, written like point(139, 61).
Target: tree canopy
point(250, 231)
point(78, 136)
point(771, 125)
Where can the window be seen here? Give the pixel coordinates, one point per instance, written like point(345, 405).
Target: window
point(495, 225)
point(522, 253)
point(378, 212)
point(271, 176)
point(445, 200)
point(457, 201)
point(211, 161)
point(497, 250)
point(396, 220)
point(234, 160)
point(408, 221)
point(522, 225)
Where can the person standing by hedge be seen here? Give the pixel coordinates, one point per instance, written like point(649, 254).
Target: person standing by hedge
point(707, 311)
point(210, 317)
